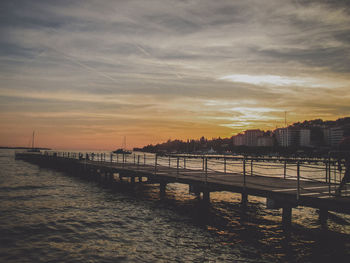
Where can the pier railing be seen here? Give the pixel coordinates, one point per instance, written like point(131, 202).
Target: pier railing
point(329, 171)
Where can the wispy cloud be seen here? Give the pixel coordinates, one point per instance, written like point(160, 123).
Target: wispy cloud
point(198, 67)
point(270, 80)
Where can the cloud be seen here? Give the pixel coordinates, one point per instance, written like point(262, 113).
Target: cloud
point(205, 64)
point(269, 80)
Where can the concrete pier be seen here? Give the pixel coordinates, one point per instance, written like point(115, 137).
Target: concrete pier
point(162, 189)
point(280, 192)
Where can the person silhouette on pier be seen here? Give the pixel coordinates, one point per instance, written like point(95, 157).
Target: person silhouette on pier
point(344, 148)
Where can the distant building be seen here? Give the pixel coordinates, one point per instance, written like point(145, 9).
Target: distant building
point(281, 137)
point(287, 137)
point(305, 137)
point(251, 137)
point(335, 135)
point(265, 141)
point(239, 140)
point(326, 136)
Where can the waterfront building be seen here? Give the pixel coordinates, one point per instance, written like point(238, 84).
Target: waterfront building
point(326, 136)
point(239, 140)
point(305, 137)
point(265, 141)
point(251, 137)
point(335, 135)
point(287, 137)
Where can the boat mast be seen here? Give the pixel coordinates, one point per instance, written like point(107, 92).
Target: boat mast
point(33, 140)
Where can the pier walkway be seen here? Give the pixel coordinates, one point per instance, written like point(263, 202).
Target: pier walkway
point(285, 183)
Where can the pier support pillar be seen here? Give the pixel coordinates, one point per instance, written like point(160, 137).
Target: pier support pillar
point(206, 197)
point(244, 199)
point(162, 188)
point(286, 217)
point(99, 176)
point(323, 216)
point(132, 180)
point(140, 179)
point(112, 177)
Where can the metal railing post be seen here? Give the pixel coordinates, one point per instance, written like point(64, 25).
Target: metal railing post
point(203, 168)
point(155, 164)
point(134, 159)
point(177, 167)
point(138, 161)
point(169, 161)
point(144, 159)
point(111, 158)
point(206, 169)
point(251, 167)
point(224, 165)
point(184, 163)
point(285, 170)
point(244, 173)
point(117, 158)
point(298, 180)
point(329, 176)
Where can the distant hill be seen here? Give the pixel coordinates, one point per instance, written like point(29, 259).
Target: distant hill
point(318, 122)
point(224, 145)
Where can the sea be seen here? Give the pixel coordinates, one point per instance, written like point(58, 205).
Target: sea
point(52, 216)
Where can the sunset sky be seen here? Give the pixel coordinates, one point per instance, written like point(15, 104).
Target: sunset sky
point(83, 74)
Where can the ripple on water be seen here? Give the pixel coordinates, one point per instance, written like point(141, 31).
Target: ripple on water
point(49, 216)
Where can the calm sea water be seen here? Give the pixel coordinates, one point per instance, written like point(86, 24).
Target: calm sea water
point(50, 216)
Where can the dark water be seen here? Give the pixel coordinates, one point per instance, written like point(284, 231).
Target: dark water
point(49, 216)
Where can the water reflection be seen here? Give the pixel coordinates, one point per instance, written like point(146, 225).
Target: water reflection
point(50, 216)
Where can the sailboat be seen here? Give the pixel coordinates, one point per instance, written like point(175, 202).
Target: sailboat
point(33, 149)
point(122, 150)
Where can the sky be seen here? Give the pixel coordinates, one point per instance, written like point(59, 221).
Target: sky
point(83, 74)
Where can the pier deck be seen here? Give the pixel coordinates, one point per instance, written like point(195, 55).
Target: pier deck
point(282, 192)
point(314, 194)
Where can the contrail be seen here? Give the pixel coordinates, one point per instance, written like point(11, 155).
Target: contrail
point(150, 55)
point(91, 69)
point(75, 61)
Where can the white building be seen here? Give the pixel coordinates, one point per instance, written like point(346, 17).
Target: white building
point(239, 140)
point(265, 141)
point(251, 137)
point(305, 137)
point(335, 135)
point(287, 137)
